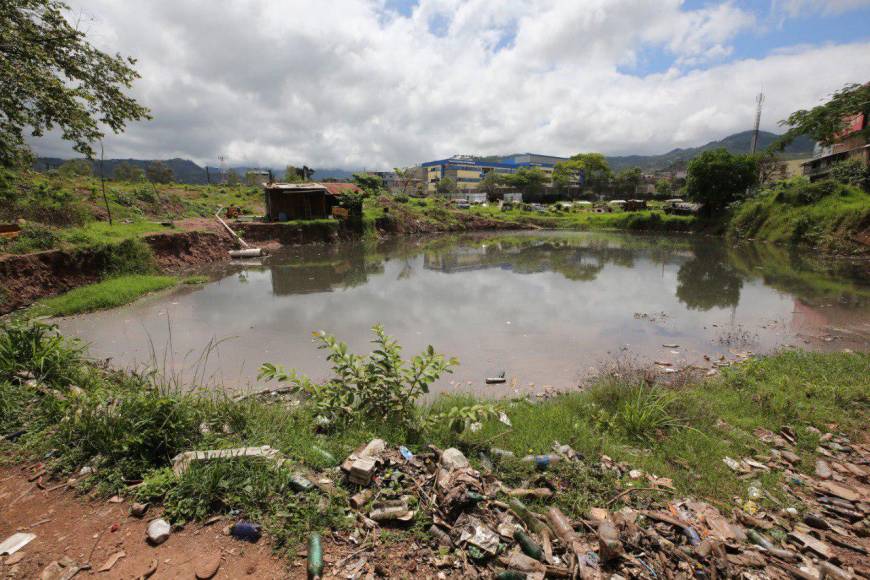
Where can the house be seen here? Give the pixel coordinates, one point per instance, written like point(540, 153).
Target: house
point(850, 144)
point(303, 201)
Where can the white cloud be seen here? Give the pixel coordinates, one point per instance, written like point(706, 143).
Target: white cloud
point(796, 8)
point(346, 83)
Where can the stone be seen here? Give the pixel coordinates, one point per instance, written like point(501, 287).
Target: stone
point(361, 471)
point(138, 510)
point(158, 531)
point(823, 470)
point(453, 458)
point(208, 567)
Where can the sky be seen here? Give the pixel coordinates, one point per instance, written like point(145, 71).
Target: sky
point(383, 83)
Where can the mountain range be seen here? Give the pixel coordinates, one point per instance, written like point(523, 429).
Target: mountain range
point(186, 171)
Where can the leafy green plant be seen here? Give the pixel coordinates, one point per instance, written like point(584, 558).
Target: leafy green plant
point(458, 419)
point(380, 386)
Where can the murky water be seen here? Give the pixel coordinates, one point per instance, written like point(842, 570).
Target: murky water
point(543, 308)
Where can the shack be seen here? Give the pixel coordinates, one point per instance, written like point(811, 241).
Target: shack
point(298, 201)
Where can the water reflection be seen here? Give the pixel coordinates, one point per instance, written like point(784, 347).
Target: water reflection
point(708, 279)
point(543, 307)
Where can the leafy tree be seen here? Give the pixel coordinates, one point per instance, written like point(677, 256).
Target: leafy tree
point(159, 172)
point(292, 175)
point(627, 180)
point(52, 77)
point(76, 168)
point(490, 183)
point(825, 123)
point(128, 172)
point(371, 184)
point(592, 166)
point(406, 178)
point(664, 188)
point(852, 172)
point(717, 178)
point(233, 177)
point(530, 181)
point(446, 186)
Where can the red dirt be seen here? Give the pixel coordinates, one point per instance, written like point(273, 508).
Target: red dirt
point(26, 278)
point(80, 528)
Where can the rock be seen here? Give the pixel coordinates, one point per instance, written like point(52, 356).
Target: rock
point(138, 510)
point(823, 470)
point(158, 531)
point(113, 559)
point(453, 458)
point(208, 567)
point(361, 470)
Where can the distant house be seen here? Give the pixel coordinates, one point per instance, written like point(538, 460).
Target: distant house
point(513, 197)
point(303, 201)
point(850, 144)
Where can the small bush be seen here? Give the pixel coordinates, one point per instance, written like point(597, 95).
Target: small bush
point(381, 386)
point(34, 237)
point(127, 257)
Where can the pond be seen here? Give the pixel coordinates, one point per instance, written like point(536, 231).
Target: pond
point(545, 309)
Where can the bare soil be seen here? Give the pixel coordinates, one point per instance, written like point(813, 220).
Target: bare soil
point(91, 531)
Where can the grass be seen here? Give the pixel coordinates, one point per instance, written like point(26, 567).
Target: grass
point(94, 233)
point(109, 293)
point(681, 432)
point(826, 215)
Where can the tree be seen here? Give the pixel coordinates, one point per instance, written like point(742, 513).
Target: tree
point(593, 168)
point(159, 172)
point(446, 186)
point(826, 123)
point(52, 77)
point(664, 188)
point(233, 177)
point(717, 178)
point(490, 183)
point(76, 168)
point(530, 181)
point(292, 175)
point(852, 172)
point(627, 180)
point(371, 184)
point(406, 178)
point(128, 172)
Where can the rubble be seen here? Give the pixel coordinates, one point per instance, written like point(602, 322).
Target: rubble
point(480, 527)
point(158, 531)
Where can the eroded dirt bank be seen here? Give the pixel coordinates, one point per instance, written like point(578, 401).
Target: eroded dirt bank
point(29, 277)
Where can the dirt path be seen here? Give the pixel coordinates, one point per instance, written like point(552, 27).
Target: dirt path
point(89, 531)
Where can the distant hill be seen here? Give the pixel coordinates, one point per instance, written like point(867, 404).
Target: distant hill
point(185, 170)
point(736, 143)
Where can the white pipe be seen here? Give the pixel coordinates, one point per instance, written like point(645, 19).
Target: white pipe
point(229, 229)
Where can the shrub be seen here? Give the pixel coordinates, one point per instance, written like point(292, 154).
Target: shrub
point(852, 172)
point(379, 387)
point(34, 237)
point(127, 257)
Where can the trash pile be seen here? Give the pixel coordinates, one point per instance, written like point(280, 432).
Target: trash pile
point(482, 529)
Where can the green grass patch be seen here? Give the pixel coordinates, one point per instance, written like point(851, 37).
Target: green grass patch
point(109, 293)
point(195, 280)
point(826, 214)
point(95, 233)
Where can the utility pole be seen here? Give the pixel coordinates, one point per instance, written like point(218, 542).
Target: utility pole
point(760, 100)
point(223, 161)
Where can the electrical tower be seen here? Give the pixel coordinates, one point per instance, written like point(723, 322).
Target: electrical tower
point(223, 164)
point(760, 100)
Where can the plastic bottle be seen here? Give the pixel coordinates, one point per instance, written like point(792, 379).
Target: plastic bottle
point(542, 461)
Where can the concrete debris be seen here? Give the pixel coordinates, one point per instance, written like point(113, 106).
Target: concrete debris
point(15, 542)
point(182, 461)
point(453, 459)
